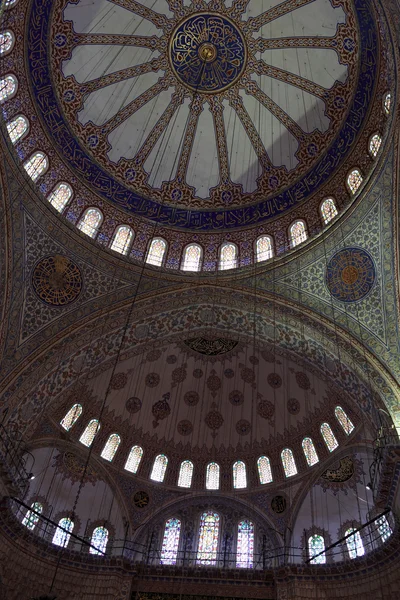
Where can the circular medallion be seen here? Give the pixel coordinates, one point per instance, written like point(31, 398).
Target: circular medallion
point(133, 405)
point(207, 53)
point(56, 280)
point(185, 427)
point(191, 398)
point(236, 398)
point(350, 274)
point(141, 499)
point(293, 406)
point(118, 381)
point(243, 427)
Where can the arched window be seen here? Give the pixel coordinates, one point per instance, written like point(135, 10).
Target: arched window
point(385, 531)
point(328, 210)
point(374, 144)
point(239, 475)
point(264, 469)
point(123, 239)
point(228, 256)
point(8, 87)
point(185, 474)
point(208, 538)
point(60, 196)
point(316, 545)
point(31, 519)
point(90, 222)
point(354, 543)
point(309, 451)
point(264, 249)
point(134, 458)
point(170, 545)
point(298, 233)
point(17, 128)
point(155, 255)
point(63, 531)
point(354, 180)
point(159, 468)
point(387, 101)
point(36, 165)
point(10, 3)
point(6, 42)
point(289, 466)
point(245, 545)
point(344, 420)
point(329, 437)
point(111, 447)
point(92, 428)
point(71, 417)
point(212, 476)
point(99, 541)
point(192, 258)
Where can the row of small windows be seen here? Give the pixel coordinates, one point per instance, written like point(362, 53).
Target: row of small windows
point(212, 470)
point(92, 218)
point(62, 534)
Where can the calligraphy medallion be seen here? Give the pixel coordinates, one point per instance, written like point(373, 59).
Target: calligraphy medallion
point(207, 53)
point(57, 280)
point(350, 274)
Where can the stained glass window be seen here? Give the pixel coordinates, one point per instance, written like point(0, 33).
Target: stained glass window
point(289, 466)
point(61, 537)
point(156, 252)
point(169, 550)
point(385, 531)
point(264, 469)
point(8, 87)
point(239, 475)
point(329, 437)
point(99, 540)
point(90, 222)
point(264, 249)
point(212, 476)
point(123, 239)
point(6, 42)
point(185, 474)
point(228, 257)
point(245, 545)
point(316, 544)
point(192, 258)
point(354, 543)
point(374, 144)
point(111, 447)
point(354, 180)
point(344, 420)
point(60, 196)
point(387, 103)
point(91, 430)
point(298, 233)
point(36, 165)
point(328, 210)
point(134, 458)
point(17, 128)
point(10, 3)
point(208, 538)
point(71, 417)
point(309, 451)
point(31, 519)
point(159, 468)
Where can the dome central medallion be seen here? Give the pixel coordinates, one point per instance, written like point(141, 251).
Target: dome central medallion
point(207, 53)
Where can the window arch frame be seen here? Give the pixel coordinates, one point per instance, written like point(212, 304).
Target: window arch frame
point(185, 462)
point(82, 218)
point(352, 170)
point(291, 239)
point(164, 467)
point(164, 255)
point(356, 532)
point(249, 563)
point(31, 517)
point(294, 463)
point(212, 560)
point(236, 259)
point(310, 556)
point(372, 155)
point(312, 462)
point(46, 168)
point(94, 527)
point(138, 462)
point(9, 4)
point(11, 48)
point(208, 467)
point(325, 423)
point(16, 85)
point(260, 237)
point(24, 134)
point(74, 418)
point(328, 199)
point(61, 528)
point(94, 435)
point(387, 110)
point(235, 476)
point(113, 450)
point(172, 560)
point(54, 191)
point(346, 416)
point(126, 249)
point(200, 258)
point(269, 467)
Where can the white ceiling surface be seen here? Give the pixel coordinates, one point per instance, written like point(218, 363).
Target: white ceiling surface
point(318, 65)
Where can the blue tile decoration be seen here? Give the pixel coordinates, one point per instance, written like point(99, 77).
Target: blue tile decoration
point(350, 274)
